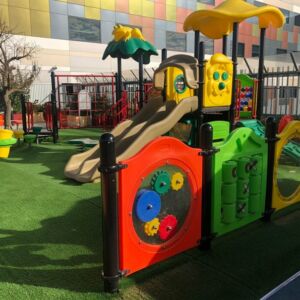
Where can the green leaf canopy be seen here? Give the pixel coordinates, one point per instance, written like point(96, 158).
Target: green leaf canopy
point(132, 48)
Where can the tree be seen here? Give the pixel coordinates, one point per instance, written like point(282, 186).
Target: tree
point(13, 78)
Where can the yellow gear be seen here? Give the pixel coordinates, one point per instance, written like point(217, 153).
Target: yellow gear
point(177, 181)
point(151, 227)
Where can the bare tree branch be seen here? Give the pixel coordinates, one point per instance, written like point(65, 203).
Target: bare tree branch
point(13, 78)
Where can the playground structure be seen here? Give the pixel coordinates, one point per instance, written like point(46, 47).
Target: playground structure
point(162, 196)
point(6, 141)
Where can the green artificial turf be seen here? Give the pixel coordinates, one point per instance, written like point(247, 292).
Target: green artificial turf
point(51, 246)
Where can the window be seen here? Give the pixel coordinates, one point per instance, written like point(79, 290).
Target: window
point(208, 44)
point(297, 20)
point(86, 30)
point(241, 50)
point(209, 2)
point(281, 51)
point(286, 14)
point(176, 41)
point(255, 50)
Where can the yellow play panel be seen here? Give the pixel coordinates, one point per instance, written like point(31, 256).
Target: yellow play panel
point(177, 88)
point(286, 180)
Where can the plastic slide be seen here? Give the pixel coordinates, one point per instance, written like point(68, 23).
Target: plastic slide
point(257, 126)
point(155, 119)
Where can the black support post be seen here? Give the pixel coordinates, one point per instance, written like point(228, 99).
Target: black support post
point(234, 60)
point(197, 40)
point(271, 139)
point(164, 54)
point(108, 169)
point(54, 108)
point(24, 113)
point(141, 82)
point(199, 113)
point(224, 45)
point(119, 81)
point(260, 92)
point(206, 144)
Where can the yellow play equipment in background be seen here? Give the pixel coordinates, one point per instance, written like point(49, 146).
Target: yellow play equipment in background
point(177, 88)
point(286, 179)
point(6, 141)
point(217, 81)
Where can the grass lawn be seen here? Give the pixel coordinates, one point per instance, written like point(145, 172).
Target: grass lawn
point(50, 241)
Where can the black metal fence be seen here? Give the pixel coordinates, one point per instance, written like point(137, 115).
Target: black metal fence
point(282, 93)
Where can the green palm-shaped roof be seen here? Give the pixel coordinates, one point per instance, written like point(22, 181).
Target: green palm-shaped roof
point(129, 43)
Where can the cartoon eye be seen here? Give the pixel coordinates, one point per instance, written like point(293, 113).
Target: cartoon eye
point(225, 76)
point(216, 75)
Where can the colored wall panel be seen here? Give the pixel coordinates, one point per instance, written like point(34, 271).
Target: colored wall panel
point(122, 18)
point(148, 8)
point(191, 5)
point(190, 42)
point(200, 6)
point(290, 37)
point(255, 30)
point(108, 4)
point(135, 7)
point(19, 20)
point(58, 7)
point(93, 3)
point(181, 14)
point(135, 20)
point(3, 2)
point(279, 34)
point(92, 13)
point(4, 14)
point(160, 25)
point(59, 26)
point(179, 27)
point(181, 3)
point(148, 22)
point(284, 39)
point(106, 31)
point(19, 3)
point(79, 2)
point(122, 6)
point(148, 34)
point(40, 23)
point(108, 15)
point(171, 2)
point(160, 11)
point(170, 26)
point(75, 10)
point(171, 12)
point(160, 39)
point(42, 5)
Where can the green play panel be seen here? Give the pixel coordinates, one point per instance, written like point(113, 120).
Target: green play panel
point(239, 182)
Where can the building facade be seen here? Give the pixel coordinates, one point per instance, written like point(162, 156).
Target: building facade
point(73, 34)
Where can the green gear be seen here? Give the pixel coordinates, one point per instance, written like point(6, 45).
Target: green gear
point(161, 182)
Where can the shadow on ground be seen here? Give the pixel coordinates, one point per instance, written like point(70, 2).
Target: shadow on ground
point(64, 253)
point(245, 264)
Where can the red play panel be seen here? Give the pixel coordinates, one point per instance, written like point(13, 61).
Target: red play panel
point(159, 203)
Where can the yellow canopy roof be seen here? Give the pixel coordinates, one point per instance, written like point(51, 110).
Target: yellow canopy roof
point(217, 22)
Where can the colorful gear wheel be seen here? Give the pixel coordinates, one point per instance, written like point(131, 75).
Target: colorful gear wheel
point(167, 227)
point(151, 228)
point(161, 182)
point(177, 181)
point(148, 205)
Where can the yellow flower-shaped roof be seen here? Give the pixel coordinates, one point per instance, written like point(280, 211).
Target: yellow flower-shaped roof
point(217, 22)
